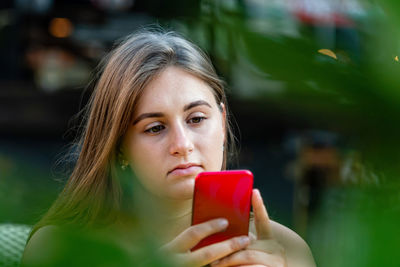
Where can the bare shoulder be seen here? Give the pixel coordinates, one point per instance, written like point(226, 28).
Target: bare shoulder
point(296, 248)
point(297, 251)
point(40, 246)
point(74, 246)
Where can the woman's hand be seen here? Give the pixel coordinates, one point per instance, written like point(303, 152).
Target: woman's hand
point(180, 247)
point(264, 250)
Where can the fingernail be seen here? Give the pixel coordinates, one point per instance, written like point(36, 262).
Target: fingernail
point(223, 223)
point(259, 195)
point(244, 240)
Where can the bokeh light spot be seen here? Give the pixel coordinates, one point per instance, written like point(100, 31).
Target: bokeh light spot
point(328, 53)
point(60, 27)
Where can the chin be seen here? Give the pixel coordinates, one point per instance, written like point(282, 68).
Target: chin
point(182, 190)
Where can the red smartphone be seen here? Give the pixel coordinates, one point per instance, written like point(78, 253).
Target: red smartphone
point(224, 194)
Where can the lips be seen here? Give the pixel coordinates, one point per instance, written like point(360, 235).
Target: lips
point(185, 169)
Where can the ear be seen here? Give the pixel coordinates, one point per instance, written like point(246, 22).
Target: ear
point(223, 113)
point(122, 160)
point(120, 154)
point(121, 150)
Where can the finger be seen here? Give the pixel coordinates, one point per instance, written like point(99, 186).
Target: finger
point(261, 219)
point(251, 257)
point(253, 237)
point(216, 251)
point(194, 234)
point(270, 246)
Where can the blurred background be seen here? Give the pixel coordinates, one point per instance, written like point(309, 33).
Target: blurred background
point(313, 86)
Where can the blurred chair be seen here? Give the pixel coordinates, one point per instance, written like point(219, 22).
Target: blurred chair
point(12, 243)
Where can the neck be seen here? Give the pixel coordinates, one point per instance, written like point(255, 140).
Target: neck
point(167, 218)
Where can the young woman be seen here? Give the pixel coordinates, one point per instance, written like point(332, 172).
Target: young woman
point(157, 118)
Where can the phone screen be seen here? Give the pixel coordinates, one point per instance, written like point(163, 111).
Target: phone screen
point(224, 194)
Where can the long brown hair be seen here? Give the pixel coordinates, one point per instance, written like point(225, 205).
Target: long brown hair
point(93, 193)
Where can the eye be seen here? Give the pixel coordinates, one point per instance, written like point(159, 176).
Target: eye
point(196, 119)
point(155, 129)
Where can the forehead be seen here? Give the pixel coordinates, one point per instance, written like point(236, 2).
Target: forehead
point(173, 88)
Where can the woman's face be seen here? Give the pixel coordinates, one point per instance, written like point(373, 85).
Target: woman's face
point(178, 132)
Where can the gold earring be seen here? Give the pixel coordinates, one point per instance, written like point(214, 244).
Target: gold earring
point(124, 164)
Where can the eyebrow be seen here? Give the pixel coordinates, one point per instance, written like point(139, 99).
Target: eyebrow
point(195, 104)
point(160, 114)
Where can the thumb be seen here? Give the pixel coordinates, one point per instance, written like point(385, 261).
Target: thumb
point(261, 219)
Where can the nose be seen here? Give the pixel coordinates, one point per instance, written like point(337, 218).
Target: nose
point(181, 143)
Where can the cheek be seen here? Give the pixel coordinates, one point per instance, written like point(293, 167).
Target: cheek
point(212, 147)
point(143, 156)
point(140, 149)
point(148, 173)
